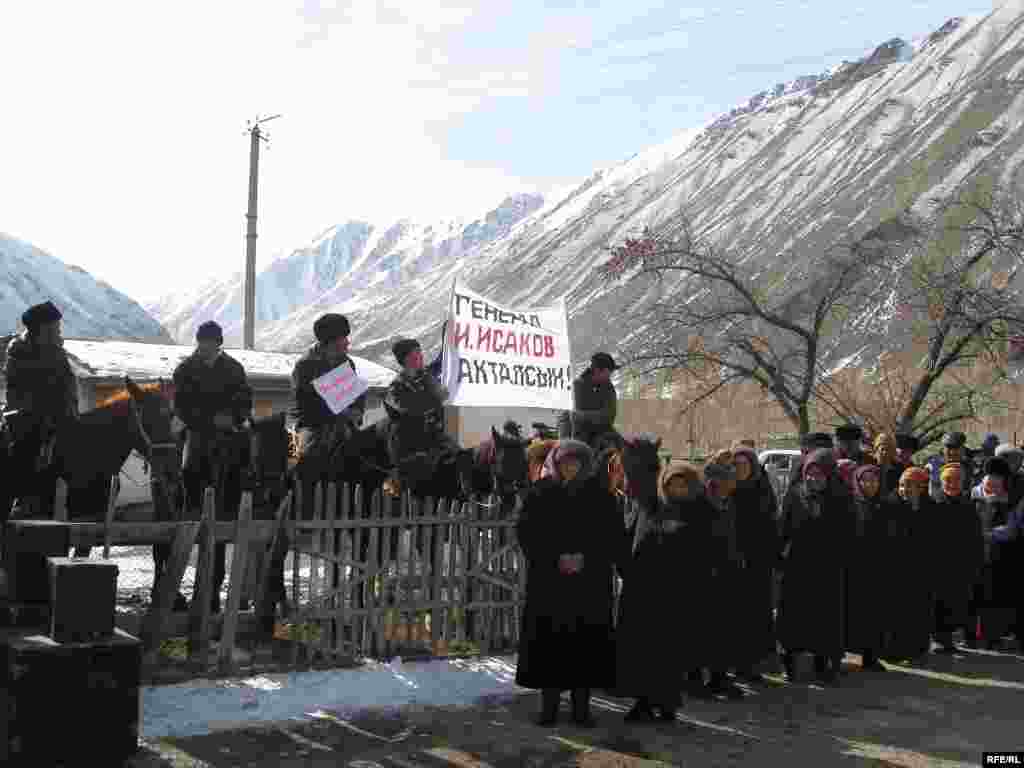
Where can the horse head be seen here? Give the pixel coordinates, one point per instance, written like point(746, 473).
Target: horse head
point(509, 465)
point(642, 465)
point(154, 437)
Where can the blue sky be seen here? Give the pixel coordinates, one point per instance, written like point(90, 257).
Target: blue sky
point(125, 152)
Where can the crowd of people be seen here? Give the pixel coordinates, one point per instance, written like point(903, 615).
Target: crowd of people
point(868, 553)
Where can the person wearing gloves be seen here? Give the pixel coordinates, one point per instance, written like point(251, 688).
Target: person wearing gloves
point(571, 533)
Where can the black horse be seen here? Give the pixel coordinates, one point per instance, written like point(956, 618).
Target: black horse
point(252, 458)
point(496, 466)
point(87, 452)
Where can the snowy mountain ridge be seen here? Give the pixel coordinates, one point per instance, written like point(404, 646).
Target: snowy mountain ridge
point(91, 308)
point(795, 169)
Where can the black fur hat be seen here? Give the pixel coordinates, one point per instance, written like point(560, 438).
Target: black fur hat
point(996, 466)
point(908, 443)
point(954, 440)
point(329, 327)
point(40, 314)
point(210, 330)
point(849, 432)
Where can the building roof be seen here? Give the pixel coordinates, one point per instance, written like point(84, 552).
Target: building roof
point(93, 359)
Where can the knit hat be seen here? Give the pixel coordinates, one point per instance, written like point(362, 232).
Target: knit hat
point(684, 470)
point(403, 347)
point(860, 473)
point(210, 331)
point(949, 470)
point(40, 314)
point(329, 327)
point(915, 475)
point(954, 440)
point(1013, 456)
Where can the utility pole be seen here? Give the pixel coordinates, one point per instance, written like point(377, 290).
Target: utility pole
point(249, 287)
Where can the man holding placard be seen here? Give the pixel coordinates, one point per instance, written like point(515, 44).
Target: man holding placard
point(328, 398)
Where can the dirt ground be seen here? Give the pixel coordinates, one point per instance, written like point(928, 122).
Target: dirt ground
point(942, 712)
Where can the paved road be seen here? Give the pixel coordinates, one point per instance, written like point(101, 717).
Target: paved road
point(943, 713)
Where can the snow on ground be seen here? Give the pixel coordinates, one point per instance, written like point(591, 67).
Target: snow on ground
point(205, 706)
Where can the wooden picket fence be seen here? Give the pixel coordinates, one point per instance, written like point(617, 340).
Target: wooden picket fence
point(383, 576)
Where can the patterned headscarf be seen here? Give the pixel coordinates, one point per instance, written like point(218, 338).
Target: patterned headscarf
point(859, 474)
point(915, 475)
point(565, 449)
point(755, 465)
point(684, 470)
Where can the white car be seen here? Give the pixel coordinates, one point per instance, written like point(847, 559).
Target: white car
point(778, 461)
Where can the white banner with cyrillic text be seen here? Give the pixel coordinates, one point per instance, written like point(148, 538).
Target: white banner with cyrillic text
point(506, 356)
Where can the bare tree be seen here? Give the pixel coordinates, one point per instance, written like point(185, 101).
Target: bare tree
point(959, 300)
point(722, 317)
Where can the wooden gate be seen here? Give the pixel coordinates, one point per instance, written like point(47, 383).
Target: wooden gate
point(379, 576)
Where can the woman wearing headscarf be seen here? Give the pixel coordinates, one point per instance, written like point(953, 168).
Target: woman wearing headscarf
point(673, 545)
point(571, 533)
point(536, 454)
point(889, 467)
point(814, 523)
point(959, 554)
point(912, 589)
point(869, 570)
point(1014, 457)
point(757, 544)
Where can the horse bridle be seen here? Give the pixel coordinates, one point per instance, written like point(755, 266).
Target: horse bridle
point(147, 441)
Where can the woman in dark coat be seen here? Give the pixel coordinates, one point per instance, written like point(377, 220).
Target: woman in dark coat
point(674, 546)
point(811, 610)
point(998, 580)
point(757, 542)
point(912, 589)
point(869, 572)
point(571, 532)
point(959, 555)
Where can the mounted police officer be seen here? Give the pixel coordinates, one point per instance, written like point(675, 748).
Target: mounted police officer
point(42, 397)
point(213, 398)
point(415, 406)
point(595, 402)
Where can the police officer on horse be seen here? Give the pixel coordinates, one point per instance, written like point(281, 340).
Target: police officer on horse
point(42, 397)
point(213, 398)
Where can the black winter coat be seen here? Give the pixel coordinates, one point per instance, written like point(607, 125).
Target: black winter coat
point(40, 380)
point(202, 391)
point(657, 643)
point(567, 627)
point(757, 546)
point(959, 555)
point(595, 407)
point(811, 608)
point(912, 590)
point(869, 575)
point(308, 409)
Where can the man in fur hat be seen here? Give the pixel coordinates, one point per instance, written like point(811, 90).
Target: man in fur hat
point(42, 388)
point(318, 429)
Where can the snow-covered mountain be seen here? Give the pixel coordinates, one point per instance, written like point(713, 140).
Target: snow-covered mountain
point(91, 308)
point(800, 166)
point(340, 264)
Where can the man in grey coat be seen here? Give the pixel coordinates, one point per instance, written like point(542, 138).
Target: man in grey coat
point(595, 402)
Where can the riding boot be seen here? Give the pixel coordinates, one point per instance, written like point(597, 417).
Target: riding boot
point(581, 708)
point(789, 665)
point(550, 698)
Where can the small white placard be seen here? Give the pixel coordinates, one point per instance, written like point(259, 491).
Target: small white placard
point(340, 387)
